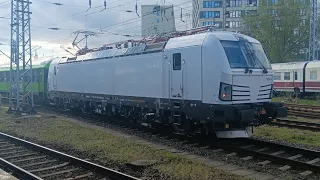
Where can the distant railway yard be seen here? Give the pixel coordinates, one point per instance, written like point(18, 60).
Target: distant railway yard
point(284, 149)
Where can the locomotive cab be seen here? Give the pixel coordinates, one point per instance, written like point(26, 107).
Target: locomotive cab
point(244, 76)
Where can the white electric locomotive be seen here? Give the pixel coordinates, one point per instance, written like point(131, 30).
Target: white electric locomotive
point(216, 83)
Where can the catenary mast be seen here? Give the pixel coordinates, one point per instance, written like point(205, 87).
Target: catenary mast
point(21, 77)
point(313, 39)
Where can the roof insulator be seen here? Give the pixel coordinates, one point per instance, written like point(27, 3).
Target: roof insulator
point(54, 28)
point(58, 4)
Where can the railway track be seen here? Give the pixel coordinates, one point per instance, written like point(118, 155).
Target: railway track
point(304, 160)
point(308, 161)
point(27, 160)
point(288, 156)
point(303, 111)
point(297, 124)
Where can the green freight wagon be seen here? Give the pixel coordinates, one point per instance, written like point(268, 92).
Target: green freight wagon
point(40, 70)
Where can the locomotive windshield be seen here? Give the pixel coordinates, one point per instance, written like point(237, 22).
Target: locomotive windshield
point(245, 55)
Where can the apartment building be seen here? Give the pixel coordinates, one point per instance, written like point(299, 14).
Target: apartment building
point(223, 14)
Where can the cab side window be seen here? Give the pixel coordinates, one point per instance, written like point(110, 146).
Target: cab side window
point(55, 70)
point(286, 76)
point(176, 61)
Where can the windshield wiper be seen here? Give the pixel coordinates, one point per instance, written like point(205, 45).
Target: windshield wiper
point(265, 71)
point(247, 68)
point(255, 58)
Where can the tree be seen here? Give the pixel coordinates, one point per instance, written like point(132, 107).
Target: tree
point(282, 28)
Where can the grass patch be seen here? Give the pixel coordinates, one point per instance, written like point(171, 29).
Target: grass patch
point(290, 135)
point(296, 101)
point(106, 147)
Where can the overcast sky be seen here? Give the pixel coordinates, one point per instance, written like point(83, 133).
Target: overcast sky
point(72, 16)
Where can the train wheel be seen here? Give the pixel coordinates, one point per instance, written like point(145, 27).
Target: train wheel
point(181, 123)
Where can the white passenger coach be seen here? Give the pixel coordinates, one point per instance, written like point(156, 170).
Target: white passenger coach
point(298, 77)
point(213, 82)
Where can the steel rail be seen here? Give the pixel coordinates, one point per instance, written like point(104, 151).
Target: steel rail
point(306, 111)
point(110, 173)
point(303, 106)
point(17, 171)
point(296, 124)
point(243, 149)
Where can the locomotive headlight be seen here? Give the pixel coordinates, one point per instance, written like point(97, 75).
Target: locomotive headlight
point(225, 92)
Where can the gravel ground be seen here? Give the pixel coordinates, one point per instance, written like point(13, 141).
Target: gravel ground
point(270, 168)
point(66, 135)
point(210, 153)
point(283, 142)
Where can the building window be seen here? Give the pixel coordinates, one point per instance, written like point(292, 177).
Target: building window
point(302, 12)
point(208, 23)
point(217, 4)
point(274, 2)
point(207, 4)
point(216, 24)
point(251, 3)
point(249, 12)
point(212, 4)
point(234, 14)
point(233, 3)
point(232, 24)
point(177, 61)
point(210, 14)
point(286, 76)
point(277, 76)
point(217, 14)
point(313, 75)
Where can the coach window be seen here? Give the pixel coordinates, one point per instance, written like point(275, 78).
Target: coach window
point(34, 75)
point(40, 76)
point(313, 75)
point(287, 76)
point(296, 75)
point(1, 76)
point(7, 76)
point(277, 76)
point(177, 61)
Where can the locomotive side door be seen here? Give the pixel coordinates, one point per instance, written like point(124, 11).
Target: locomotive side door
point(176, 78)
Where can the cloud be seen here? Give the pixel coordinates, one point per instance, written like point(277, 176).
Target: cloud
point(72, 16)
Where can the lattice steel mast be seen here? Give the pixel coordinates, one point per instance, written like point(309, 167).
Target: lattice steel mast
point(313, 38)
point(21, 78)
